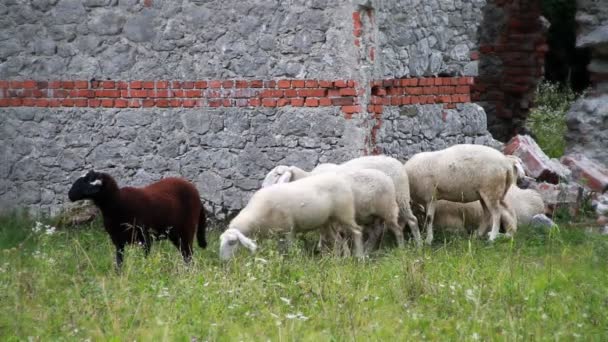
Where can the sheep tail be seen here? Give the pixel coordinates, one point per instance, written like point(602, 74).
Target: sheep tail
point(200, 232)
point(510, 180)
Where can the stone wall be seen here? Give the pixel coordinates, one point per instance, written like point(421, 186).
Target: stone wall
point(220, 92)
point(587, 119)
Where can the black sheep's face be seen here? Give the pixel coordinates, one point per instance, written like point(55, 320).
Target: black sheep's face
point(86, 187)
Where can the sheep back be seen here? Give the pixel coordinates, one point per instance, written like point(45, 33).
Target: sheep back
point(302, 205)
point(458, 173)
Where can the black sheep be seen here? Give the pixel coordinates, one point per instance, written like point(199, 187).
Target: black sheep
point(169, 208)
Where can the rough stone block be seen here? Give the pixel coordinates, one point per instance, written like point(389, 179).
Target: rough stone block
point(536, 163)
point(587, 172)
point(560, 195)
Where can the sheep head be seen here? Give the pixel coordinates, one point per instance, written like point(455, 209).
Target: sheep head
point(87, 186)
point(280, 174)
point(229, 242)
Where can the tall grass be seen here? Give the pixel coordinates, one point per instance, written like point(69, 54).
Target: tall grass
point(541, 286)
point(547, 120)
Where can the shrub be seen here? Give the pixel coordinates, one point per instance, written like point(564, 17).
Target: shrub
point(547, 119)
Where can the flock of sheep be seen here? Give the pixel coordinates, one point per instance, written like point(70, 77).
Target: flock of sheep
point(461, 187)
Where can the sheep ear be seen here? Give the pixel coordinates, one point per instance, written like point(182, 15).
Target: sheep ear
point(247, 242)
point(285, 177)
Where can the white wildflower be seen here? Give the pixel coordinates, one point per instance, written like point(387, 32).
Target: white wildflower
point(285, 300)
point(50, 230)
point(38, 227)
point(164, 292)
point(298, 316)
point(470, 295)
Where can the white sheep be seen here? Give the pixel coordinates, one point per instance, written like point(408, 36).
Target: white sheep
point(390, 166)
point(464, 173)
point(525, 203)
point(374, 196)
point(308, 204)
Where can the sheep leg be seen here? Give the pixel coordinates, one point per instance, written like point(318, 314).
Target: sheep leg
point(508, 219)
point(485, 218)
point(412, 222)
point(494, 209)
point(120, 254)
point(430, 215)
point(373, 235)
point(355, 230)
point(186, 249)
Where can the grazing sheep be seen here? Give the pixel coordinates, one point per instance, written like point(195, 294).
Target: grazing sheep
point(375, 199)
point(308, 204)
point(390, 166)
point(526, 204)
point(463, 173)
point(170, 207)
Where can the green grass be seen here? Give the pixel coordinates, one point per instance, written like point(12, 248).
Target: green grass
point(540, 286)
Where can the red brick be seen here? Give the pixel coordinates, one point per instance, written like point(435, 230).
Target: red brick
point(82, 93)
point(214, 103)
point(187, 85)
point(133, 103)
point(395, 101)
point(242, 84)
point(189, 103)
point(147, 103)
point(406, 100)
point(228, 84)
point(268, 102)
point(39, 93)
point(586, 172)
point(176, 85)
point(108, 93)
point(227, 102)
point(271, 93)
point(257, 84)
point(121, 85)
point(311, 102)
point(108, 84)
point(139, 93)
point(200, 84)
point(298, 83)
point(319, 92)
point(311, 83)
point(291, 93)
point(95, 84)
point(162, 84)
point(19, 84)
point(177, 93)
point(107, 103)
point(324, 101)
point(348, 92)
point(193, 93)
point(147, 84)
point(121, 103)
point(270, 84)
point(297, 102)
point(135, 84)
point(67, 84)
point(4, 84)
point(254, 102)
point(284, 83)
point(463, 90)
point(283, 102)
point(414, 99)
point(162, 103)
point(163, 93)
point(94, 103)
point(333, 92)
point(60, 93)
point(342, 101)
point(28, 102)
point(4, 102)
point(351, 109)
point(340, 84)
point(215, 84)
point(325, 84)
point(445, 98)
point(414, 90)
point(29, 84)
point(67, 103)
point(175, 103)
point(535, 162)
